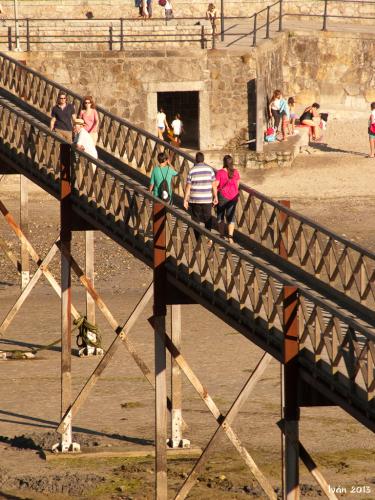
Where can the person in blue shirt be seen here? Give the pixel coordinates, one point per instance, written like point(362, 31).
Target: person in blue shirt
point(285, 116)
point(162, 172)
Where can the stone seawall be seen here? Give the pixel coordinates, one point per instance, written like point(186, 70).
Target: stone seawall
point(182, 8)
point(126, 8)
point(331, 68)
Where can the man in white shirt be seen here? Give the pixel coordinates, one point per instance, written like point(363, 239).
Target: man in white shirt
point(82, 139)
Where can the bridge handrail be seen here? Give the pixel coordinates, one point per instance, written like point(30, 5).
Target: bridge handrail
point(333, 264)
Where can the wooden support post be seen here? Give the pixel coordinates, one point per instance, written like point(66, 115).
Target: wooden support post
point(160, 283)
point(260, 110)
point(290, 407)
point(66, 298)
point(89, 271)
point(24, 225)
point(176, 382)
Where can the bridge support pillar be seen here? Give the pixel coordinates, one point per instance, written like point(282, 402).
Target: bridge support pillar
point(176, 440)
point(66, 217)
point(289, 393)
point(24, 225)
point(160, 310)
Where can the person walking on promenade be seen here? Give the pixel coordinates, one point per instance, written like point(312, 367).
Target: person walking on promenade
point(90, 116)
point(164, 172)
point(63, 114)
point(371, 130)
point(161, 123)
point(227, 181)
point(201, 192)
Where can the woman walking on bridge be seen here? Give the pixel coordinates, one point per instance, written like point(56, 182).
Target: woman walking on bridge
point(227, 181)
point(90, 116)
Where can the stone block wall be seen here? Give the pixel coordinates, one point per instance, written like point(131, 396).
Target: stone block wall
point(127, 84)
point(182, 8)
point(331, 68)
point(126, 8)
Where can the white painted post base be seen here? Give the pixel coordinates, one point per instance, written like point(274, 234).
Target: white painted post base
point(66, 445)
point(90, 351)
point(178, 443)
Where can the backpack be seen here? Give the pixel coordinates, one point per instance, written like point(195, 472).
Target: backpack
point(162, 3)
point(163, 190)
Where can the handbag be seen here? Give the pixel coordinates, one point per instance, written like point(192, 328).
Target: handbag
point(372, 129)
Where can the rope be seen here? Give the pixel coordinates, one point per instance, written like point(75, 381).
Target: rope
point(83, 339)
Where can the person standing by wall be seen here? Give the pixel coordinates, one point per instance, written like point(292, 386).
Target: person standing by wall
point(274, 108)
point(63, 114)
point(201, 192)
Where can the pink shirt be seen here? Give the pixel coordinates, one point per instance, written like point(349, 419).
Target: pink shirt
point(227, 187)
point(91, 120)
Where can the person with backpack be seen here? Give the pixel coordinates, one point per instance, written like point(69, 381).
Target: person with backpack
point(161, 179)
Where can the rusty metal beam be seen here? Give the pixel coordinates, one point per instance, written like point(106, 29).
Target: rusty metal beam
point(66, 292)
point(290, 407)
point(160, 311)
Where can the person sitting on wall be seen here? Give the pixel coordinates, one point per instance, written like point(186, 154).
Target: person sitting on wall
point(311, 117)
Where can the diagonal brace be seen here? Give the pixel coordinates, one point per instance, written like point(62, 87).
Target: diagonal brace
point(223, 425)
point(83, 395)
point(203, 393)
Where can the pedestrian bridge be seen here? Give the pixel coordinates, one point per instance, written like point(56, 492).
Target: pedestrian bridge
point(301, 292)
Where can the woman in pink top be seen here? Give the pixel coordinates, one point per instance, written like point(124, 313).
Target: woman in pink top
point(90, 116)
point(227, 181)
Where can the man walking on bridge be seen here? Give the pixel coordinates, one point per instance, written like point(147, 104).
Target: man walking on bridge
point(201, 192)
point(63, 115)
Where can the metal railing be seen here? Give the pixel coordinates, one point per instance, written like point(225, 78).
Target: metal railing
point(312, 248)
point(100, 34)
point(114, 34)
point(334, 347)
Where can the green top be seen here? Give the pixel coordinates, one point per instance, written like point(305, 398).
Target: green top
point(159, 174)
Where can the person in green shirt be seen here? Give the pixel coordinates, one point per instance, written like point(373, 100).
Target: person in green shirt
point(163, 171)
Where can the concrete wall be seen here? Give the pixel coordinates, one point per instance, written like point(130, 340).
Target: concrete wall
point(127, 84)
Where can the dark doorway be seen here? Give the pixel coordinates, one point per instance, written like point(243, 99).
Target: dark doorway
point(187, 104)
